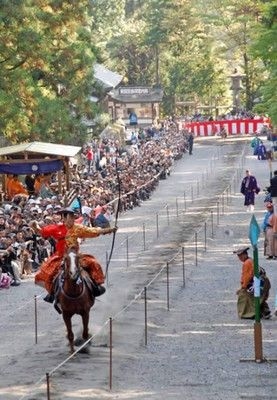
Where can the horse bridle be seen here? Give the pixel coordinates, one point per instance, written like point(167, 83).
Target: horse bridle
point(79, 276)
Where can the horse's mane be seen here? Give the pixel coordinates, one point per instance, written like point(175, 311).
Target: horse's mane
point(73, 249)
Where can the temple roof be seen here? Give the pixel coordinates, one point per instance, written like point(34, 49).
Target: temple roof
point(51, 149)
point(107, 77)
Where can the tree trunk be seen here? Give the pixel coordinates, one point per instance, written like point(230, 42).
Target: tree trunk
point(248, 97)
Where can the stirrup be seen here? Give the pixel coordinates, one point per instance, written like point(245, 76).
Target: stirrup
point(98, 290)
point(49, 298)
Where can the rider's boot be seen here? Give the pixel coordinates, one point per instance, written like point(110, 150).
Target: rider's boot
point(49, 298)
point(98, 290)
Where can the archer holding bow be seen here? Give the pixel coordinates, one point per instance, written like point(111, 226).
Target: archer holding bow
point(66, 235)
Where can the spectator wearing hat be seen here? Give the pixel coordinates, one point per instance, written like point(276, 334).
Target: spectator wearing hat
point(245, 304)
point(66, 235)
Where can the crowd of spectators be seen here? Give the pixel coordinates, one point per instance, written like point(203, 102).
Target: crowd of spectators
point(104, 168)
point(230, 115)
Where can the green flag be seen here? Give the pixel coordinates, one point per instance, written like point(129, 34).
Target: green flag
point(254, 231)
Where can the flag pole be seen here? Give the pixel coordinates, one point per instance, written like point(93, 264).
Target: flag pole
point(254, 233)
point(258, 341)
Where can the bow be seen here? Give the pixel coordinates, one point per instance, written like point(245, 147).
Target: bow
point(116, 218)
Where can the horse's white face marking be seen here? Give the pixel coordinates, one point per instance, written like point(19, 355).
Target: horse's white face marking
point(73, 264)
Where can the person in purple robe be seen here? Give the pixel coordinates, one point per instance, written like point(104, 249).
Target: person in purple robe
point(249, 188)
point(261, 151)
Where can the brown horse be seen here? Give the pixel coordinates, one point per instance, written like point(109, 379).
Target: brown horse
point(74, 295)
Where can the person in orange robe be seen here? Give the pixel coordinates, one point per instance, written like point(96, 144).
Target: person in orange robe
point(247, 270)
point(37, 184)
point(14, 187)
point(245, 302)
point(66, 236)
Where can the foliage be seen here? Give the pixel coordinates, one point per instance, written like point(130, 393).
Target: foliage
point(265, 49)
point(47, 52)
point(164, 43)
point(46, 68)
point(234, 26)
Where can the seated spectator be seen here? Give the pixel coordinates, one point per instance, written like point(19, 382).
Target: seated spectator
point(37, 184)
point(8, 263)
point(14, 187)
point(138, 172)
point(101, 220)
point(45, 188)
point(5, 280)
point(30, 184)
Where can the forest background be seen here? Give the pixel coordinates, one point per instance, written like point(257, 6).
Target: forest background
point(188, 47)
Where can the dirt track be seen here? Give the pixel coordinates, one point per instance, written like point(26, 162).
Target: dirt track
point(193, 351)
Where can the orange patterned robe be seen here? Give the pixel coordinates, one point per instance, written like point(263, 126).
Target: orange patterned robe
point(66, 238)
point(14, 187)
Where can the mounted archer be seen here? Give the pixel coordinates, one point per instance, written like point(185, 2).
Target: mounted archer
point(66, 236)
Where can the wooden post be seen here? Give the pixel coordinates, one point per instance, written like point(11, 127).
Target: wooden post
point(111, 354)
point(60, 186)
point(145, 315)
point(67, 173)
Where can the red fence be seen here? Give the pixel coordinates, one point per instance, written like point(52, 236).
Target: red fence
point(233, 127)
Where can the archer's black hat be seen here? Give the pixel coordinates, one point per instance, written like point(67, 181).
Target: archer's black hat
point(65, 211)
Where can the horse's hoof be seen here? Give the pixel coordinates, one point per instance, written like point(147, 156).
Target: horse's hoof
point(78, 342)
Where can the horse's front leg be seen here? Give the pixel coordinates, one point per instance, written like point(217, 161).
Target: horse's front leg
point(70, 335)
point(85, 318)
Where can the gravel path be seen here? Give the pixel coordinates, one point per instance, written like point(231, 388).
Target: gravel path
point(193, 349)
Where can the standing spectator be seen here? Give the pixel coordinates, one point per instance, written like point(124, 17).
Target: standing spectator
point(270, 243)
point(245, 303)
point(273, 190)
point(249, 188)
point(89, 158)
point(133, 119)
point(255, 144)
point(190, 142)
point(261, 152)
point(223, 132)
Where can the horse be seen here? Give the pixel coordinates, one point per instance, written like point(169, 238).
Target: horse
point(74, 295)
